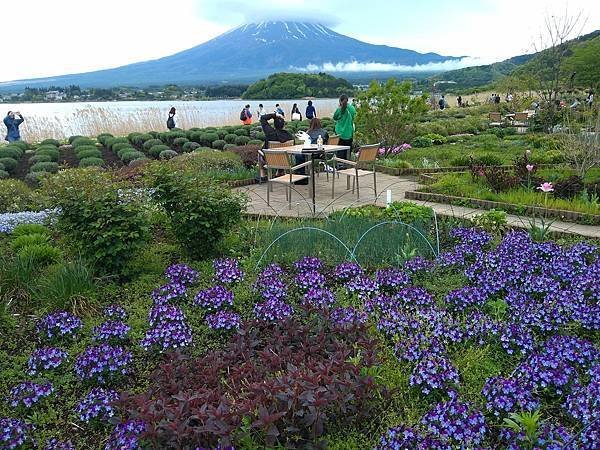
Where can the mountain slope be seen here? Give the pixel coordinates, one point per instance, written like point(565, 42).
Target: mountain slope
point(246, 53)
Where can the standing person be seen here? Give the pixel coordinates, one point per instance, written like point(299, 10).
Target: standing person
point(261, 111)
point(311, 112)
point(279, 110)
point(246, 115)
point(344, 124)
point(171, 119)
point(442, 102)
point(497, 99)
point(296, 114)
point(12, 126)
point(459, 101)
point(590, 99)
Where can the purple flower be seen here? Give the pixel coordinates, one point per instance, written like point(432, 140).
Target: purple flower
point(58, 324)
point(433, 372)
point(97, 405)
point(549, 437)
point(583, 403)
point(181, 274)
point(343, 317)
point(308, 263)
point(227, 271)
point(417, 264)
point(223, 320)
point(214, 298)
point(272, 271)
point(381, 304)
point(165, 313)
point(362, 286)
point(271, 288)
point(318, 298)
point(415, 296)
point(506, 395)
point(55, 444)
point(416, 346)
point(456, 424)
point(110, 330)
point(391, 279)
point(401, 438)
point(168, 292)
point(516, 337)
point(14, 433)
point(102, 362)
point(115, 312)
point(272, 310)
point(167, 336)
point(463, 298)
point(472, 236)
point(125, 436)
point(548, 372)
point(309, 279)
point(346, 271)
point(44, 359)
point(29, 393)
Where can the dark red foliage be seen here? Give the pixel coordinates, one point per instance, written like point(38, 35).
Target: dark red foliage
point(283, 384)
point(248, 153)
point(569, 187)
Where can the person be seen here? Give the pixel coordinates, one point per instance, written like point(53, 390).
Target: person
point(459, 101)
point(311, 112)
point(315, 130)
point(246, 115)
point(509, 97)
point(442, 102)
point(575, 104)
point(344, 125)
point(590, 99)
point(275, 132)
point(171, 119)
point(260, 111)
point(296, 114)
point(12, 126)
point(497, 99)
point(279, 110)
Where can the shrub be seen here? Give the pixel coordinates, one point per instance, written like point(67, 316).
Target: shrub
point(488, 160)
point(255, 142)
point(205, 150)
point(207, 139)
point(169, 137)
point(28, 239)
point(124, 150)
point(461, 161)
point(83, 148)
point(421, 141)
point(409, 212)
point(493, 221)
point(119, 146)
point(50, 167)
point(247, 153)
point(92, 153)
point(91, 162)
point(34, 178)
point(242, 140)
point(135, 161)
point(218, 144)
point(127, 157)
point(180, 141)
point(155, 150)
point(103, 138)
point(82, 141)
point(16, 196)
point(72, 138)
point(221, 132)
point(151, 143)
point(209, 159)
point(20, 144)
point(4, 174)
point(500, 180)
point(40, 254)
point(30, 228)
point(229, 146)
point(107, 226)
point(167, 154)
point(115, 140)
point(39, 158)
point(242, 131)
point(52, 153)
point(260, 136)
point(437, 139)
point(230, 138)
point(201, 212)
point(139, 138)
point(569, 187)
point(10, 152)
point(190, 147)
point(9, 164)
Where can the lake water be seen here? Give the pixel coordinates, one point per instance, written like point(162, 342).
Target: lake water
point(60, 120)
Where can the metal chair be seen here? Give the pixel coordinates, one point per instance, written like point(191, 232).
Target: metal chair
point(367, 156)
point(280, 160)
point(333, 140)
point(261, 155)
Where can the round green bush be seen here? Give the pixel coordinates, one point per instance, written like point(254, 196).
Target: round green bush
point(196, 136)
point(103, 138)
point(115, 140)
point(26, 240)
point(189, 147)
point(255, 142)
point(228, 146)
point(91, 153)
point(208, 138)
point(221, 132)
point(230, 138)
point(20, 144)
point(133, 136)
point(154, 134)
point(218, 144)
point(1, 166)
point(422, 141)
point(138, 139)
point(180, 141)
point(40, 254)
point(259, 135)
point(9, 164)
point(155, 150)
point(120, 145)
point(91, 162)
point(205, 149)
point(124, 150)
point(39, 158)
point(169, 137)
point(54, 154)
point(51, 167)
point(72, 138)
point(46, 147)
point(82, 141)
point(167, 154)
point(134, 161)
point(83, 148)
point(30, 228)
point(242, 131)
point(127, 157)
point(34, 178)
point(242, 140)
point(151, 143)
point(8, 152)
point(4, 174)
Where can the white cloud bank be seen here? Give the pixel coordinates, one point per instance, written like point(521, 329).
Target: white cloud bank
point(355, 66)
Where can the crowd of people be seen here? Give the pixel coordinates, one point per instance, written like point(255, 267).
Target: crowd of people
point(246, 115)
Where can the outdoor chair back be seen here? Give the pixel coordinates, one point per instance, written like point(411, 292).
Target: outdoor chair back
point(277, 144)
point(368, 153)
point(277, 159)
point(495, 117)
point(334, 140)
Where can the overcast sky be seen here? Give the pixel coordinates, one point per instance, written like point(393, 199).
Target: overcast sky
point(55, 37)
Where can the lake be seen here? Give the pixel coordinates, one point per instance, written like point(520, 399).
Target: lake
point(61, 120)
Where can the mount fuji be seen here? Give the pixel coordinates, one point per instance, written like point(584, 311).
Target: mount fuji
point(250, 52)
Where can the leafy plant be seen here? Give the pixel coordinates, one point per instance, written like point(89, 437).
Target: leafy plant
point(40, 254)
point(539, 233)
point(16, 196)
point(409, 212)
point(25, 240)
point(50, 167)
point(493, 221)
point(30, 228)
point(421, 142)
point(91, 162)
point(527, 422)
point(9, 164)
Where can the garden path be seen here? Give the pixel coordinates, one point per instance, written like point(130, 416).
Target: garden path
point(302, 202)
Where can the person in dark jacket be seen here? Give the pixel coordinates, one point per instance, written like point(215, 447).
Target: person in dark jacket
point(273, 132)
point(311, 112)
point(12, 126)
point(296, 114)
point(171, 119)
point(315, 130)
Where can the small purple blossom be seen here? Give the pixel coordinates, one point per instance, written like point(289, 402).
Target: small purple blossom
point(165, 313)
point(318, 298)
point(455, 424)
point(343, 317)
point(309, 279)
point(14, 433)
point(58, 324)
point(102, 362)
point(223, 320)
point(433, 372)
point(44, 359)
point(214, 298)
point(417, 264)
point(125, 436)
point(168, 292)
point(29, 393)
point(506, 395)
point(347, 271)
point(308, 263)
point(111, 330)
point(227, 271)
point(115, 312)
point(167, 335)
point(465, 297)
point(391, 279)
point(271, 288)
point(362, 286)
point(97, 405)
point(181, 274)
point(273, 310)
point(55, 444)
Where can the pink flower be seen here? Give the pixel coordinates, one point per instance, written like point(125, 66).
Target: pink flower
point(529, 167)
point(546, 187)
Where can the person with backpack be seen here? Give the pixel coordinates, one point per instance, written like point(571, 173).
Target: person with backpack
point(171, 119)
point(12, 126)
point(279, 110)
point(442, 102)
point(246, 115)
point(311, 112)
point(296, 114)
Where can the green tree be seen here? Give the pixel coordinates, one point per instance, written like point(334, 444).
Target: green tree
point(386, 112)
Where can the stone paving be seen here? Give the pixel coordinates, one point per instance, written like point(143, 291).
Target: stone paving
point(324, 204)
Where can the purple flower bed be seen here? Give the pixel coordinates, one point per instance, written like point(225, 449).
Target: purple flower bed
point(223, 320)
point(110, 330)
point(214, 298)
point(168, 292)
point(181, 274)
point(347, 271)
point(58, 325)
point(227, 271)
point(125, 436)
point(28, 393)
point(97, 404)
point(55, 444)
point(102, 363)
point(115, 312)
point(14, 433)
point(45, 358)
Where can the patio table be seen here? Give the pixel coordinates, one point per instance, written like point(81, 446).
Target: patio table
point(315, 155)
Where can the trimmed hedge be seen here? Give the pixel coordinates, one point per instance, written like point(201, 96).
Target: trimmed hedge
point(115, 140)
point(139, 138)
point(189, 147)
point(255, 142)
point(8, 152)
point(124, 150)
point(54, 154)
point(51, 167)
point(242, 132)
point(82, 141)
point(54, 142)
point(228, 146)
point(230, 138)
point(91, 161)
point(167, 154)
point(9, 164)
point(155, 150)
point(242, 140)
point(72, 138)
point(218, 144)
point(39, 158)
point(120, 145)
point(91, 153)
point(180, 141)
point(151, 143)
point(127, 157)
point(34, 178)
point(103, 138)
point(20, 144)
point(4, 174)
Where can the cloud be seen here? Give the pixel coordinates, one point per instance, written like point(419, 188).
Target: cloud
point(355, 66)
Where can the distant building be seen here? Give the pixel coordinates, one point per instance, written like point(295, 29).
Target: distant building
point(55, 95)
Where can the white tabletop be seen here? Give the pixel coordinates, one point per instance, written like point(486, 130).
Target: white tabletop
point(297, 149)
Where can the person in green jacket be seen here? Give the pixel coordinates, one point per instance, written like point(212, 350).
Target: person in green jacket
point(344, 124)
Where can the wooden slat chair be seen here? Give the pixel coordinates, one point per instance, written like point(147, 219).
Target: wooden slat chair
point(366, 156)
point(280, 160)
point(261, 154)
point(495, 119)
